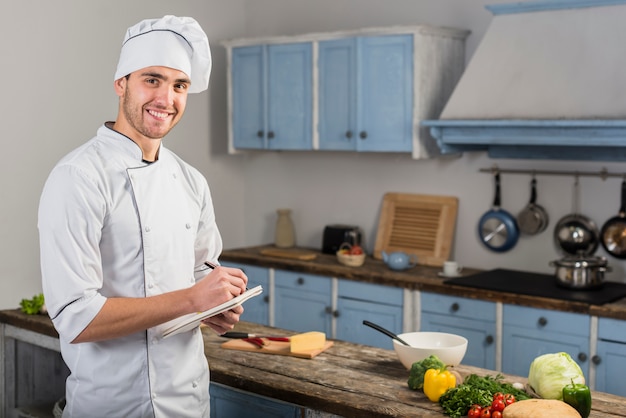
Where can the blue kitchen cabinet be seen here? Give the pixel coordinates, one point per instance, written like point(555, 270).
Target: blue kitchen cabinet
point(610, 358)
point(366, 93)
point(303, 302)
point(358, 301)
point(530, 332)
point(227, 402)
point(257, 308)
point(271, 87)
point(471, 318)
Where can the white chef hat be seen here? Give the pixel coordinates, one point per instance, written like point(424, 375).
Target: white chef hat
point(174, 42)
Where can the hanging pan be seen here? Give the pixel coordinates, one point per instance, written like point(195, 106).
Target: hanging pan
point(533, 219)
point(576, 234)
point(497, 228)
point(613, 233)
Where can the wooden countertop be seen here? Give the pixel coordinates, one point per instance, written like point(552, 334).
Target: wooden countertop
point(349, 380)
point(422, 278)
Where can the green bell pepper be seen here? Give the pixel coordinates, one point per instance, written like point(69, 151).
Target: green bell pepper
point(578, 396)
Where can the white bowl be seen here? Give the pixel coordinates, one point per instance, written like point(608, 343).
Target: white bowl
point(450, 348)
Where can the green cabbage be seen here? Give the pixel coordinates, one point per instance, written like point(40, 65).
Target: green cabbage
point(549, 373)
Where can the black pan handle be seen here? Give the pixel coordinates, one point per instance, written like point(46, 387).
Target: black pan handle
point(533, 191)
point(496, 199)
point(622, 209)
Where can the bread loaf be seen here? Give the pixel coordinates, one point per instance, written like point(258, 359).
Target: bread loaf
point(540, 408)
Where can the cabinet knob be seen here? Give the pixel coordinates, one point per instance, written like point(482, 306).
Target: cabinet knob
point(270, 135)
point(363, 135)
point(300, 281)
point(596, 359)
point(336, 314)
point(582, 357)
point(542, 322)
point(489, 339)
point(259, 134)
point(349, 134)
point(454, 307)
point(266, 299)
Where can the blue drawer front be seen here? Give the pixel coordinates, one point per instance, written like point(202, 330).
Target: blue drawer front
point(458, 306)
point(370, 292)
point(610, 329)
point(302, 282)
point(547, 320)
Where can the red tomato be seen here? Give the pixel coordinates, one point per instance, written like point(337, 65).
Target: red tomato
point(496, 414)
point(475, 411)
point(498, 405)
point(498, 395)
point(509, 399)
point(486, 413)
point(356, 250)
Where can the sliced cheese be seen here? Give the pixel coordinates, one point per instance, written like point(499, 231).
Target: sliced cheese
point(313, 340)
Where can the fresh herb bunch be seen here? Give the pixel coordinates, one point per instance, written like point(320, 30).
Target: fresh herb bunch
point(475, 389)
point(32, 306)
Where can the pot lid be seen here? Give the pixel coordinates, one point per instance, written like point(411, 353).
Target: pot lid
point(581, 261)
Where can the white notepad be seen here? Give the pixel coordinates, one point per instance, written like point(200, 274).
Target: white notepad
point(191, 321)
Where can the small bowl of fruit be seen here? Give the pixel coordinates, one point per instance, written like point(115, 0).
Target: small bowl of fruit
point(351, 255)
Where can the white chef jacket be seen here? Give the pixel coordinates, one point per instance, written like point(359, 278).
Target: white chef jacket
point(111, 225)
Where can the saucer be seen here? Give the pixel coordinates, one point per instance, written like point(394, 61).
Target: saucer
point(449, 276)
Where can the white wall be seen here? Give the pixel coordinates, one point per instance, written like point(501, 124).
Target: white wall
point(58, 63)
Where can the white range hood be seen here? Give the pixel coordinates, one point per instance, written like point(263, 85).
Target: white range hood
point(547, 81)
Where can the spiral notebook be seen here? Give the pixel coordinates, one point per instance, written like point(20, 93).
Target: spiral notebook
point(191, 321)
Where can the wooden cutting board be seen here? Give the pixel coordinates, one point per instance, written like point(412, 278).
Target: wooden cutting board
point(293, 253)
point(273, 347)
point(417, 224)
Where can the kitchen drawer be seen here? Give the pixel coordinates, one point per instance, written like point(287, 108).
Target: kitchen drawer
point(370, 292)
point(546, 320)
point(612, 330)
point(458, 306)
point(302, 282)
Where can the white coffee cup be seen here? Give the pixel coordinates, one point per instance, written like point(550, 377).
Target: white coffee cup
point(451, 268)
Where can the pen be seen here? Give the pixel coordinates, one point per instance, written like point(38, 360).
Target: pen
point(210, 265)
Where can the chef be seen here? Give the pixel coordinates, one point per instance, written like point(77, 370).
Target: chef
point(125, 228)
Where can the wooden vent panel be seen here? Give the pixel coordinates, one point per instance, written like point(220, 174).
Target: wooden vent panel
point(417, 224)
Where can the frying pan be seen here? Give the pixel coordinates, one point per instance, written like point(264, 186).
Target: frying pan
point(576, 234)
point(533, 219)
point(613, 231)
point(497, 228)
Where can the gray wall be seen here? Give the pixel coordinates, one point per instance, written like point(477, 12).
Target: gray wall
point(58, 63)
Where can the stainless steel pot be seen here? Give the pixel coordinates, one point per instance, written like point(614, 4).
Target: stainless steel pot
point(580, 272)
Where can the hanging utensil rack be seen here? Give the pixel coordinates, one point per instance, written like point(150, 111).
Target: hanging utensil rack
point(603, 173)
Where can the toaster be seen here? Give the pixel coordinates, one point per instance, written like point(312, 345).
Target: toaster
point(335, 235)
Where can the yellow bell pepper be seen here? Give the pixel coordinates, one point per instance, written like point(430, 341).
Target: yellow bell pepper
point(437, 382)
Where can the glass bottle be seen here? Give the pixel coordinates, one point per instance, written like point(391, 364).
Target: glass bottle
point(285, 236)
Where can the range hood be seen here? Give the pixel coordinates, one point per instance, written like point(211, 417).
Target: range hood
point(548, 81)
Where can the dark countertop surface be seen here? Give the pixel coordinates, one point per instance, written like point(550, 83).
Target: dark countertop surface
point(423, 278)
point(349, 380)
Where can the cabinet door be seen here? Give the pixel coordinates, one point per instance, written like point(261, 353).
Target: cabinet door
point(610, 370)
point(529, 332)
point(231, 403)
point(610, 358)
point(364, 301)
point(385, 113)
point(257, 308)
point(290, 86)
point(337, 94)
point(303, 302)
point(248, 97)
point(473, 319)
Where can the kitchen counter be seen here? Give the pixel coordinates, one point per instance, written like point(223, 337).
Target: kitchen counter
point(423, 278)
point(348, 379)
